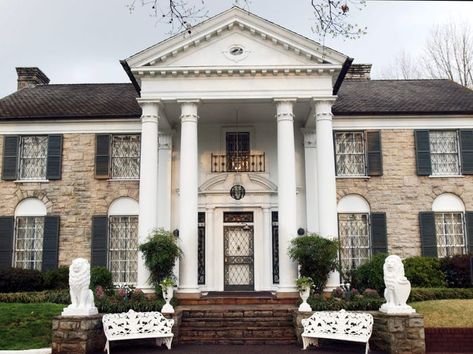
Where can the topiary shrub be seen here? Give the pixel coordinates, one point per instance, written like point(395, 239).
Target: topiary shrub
point(18, 279)
point(160, 253)
point(56, 278)
point(424, 272)
point(316, 256)
point(457, 271)
point(370, 274)
point(100, 276)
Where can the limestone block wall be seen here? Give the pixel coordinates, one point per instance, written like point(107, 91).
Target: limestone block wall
point(401, 194)
point(75, 198)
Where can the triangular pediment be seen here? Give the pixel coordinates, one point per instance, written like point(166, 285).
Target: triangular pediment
point(236, 38)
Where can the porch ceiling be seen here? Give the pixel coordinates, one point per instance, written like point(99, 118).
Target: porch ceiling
point(225, 112)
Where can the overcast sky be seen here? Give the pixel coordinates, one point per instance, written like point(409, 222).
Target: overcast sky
point(83, 40)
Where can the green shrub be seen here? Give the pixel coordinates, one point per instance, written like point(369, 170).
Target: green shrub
point(56, 278)
point(52, 296)
point(18, 279)
point(424, 272)
point(457, 271)
point(425, 294)
point(316, 256)
point(160, 252)
point(370, 274)
point(100, 276)
point(357, 303)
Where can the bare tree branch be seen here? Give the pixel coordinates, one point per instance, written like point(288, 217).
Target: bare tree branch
point(404, 67)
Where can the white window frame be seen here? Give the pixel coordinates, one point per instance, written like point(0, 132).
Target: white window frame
point(29, 211)
point(433, 153)
point(338, 154)
point(22, 158)
point(354, 249)
point(113, 174)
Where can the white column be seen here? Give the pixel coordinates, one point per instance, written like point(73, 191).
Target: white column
point(164, 181)
point(210, 281)
point(148, 203)
point(311, 200)
point(286, 194)
point(188, 198)
point(267, 249)
point(327, 188)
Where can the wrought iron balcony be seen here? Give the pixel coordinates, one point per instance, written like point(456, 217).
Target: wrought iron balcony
point(238, 163)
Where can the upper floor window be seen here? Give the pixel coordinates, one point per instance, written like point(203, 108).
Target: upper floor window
point(32, 157)
point(444, 152)
point(358, 153)
point(118, 156)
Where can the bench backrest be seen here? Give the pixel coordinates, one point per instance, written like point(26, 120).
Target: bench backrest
point(132, 323)
point(349, 324)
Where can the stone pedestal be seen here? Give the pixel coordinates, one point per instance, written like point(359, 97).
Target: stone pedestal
point(78, 335)
point(398, 334)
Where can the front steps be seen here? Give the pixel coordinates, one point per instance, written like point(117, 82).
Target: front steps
point(239, 298)
point(237, 324)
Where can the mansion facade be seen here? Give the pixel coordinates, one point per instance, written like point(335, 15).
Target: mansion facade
point(236, 137)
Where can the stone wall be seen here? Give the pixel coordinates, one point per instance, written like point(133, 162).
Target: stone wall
point(75, 198)
point(401, 193)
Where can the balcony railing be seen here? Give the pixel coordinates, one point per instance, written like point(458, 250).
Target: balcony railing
point(238, 163)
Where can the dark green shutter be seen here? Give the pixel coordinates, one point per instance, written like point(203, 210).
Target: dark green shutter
point(379, 240)
point(50, 242)
point(375, 155)
point(102, 156)
point(54, 164)
point(10, 157)
point(469, 230)
point(423, 162)
point(427, 234)
point(99, 241)
point(6, 240)
point(466, 148)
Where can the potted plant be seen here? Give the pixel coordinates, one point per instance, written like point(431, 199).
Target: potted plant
point(167, 287)
point(304, 284)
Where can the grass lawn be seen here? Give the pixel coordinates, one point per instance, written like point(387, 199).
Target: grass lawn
point(446, 313)
point(27, 326)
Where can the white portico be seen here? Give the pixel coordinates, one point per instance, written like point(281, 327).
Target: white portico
point(239, 101)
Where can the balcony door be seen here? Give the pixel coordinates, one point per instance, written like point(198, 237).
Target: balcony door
point(238, 151)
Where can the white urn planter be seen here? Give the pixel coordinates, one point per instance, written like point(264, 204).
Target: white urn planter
point(168, 294)
point(304, 294)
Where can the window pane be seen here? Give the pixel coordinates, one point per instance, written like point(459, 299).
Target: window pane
point(33, 157)
point(444, 152)
point(123, 249)
point(350, 153)
point(450, 234)
point(29, 236)
point(354, 240)
point(126, 156)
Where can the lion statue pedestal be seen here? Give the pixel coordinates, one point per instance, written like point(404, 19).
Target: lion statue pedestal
point(398, 287)
point(82, 298)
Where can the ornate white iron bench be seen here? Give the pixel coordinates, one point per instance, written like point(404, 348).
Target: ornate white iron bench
point(340, 325)
point(137, 325)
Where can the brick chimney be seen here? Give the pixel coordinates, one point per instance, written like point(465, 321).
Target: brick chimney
point(359, 72)
point(30, 77)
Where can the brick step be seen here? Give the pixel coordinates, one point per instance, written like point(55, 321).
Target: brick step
point(238, 301)
point(236, 318)
point(233, 324)
point(243, 332)
point(248, 341)
point(231, 313)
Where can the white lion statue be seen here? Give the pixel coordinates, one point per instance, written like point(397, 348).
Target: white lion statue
point(82, 298)
point(397, 289)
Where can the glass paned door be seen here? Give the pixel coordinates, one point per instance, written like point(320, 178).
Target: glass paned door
point(238, 258)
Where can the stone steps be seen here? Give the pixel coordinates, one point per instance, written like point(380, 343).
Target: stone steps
point(237, 324)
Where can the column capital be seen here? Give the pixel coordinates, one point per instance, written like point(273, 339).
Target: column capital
point(310, 138)
point(323, 109)
point(188, 110)
point(150, 110)
point(165, 141)
point(284, 109)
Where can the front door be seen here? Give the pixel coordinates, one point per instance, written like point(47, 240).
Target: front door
point(239, 255)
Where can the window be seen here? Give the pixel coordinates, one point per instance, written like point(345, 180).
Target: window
point(123, 240)
point(125, 156)
point(358, 153)
point(444, 152)
point(117, 156)
point(350, 153)
point(361, 232)
point(450, 234)
point(29, 234)
point(33, 157)
point(238, 151)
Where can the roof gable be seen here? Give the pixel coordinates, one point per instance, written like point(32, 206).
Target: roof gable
point(242, 25)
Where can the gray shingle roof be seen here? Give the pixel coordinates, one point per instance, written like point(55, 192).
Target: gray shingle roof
point(72, 101)
point(403, 97)
point(372, 97)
